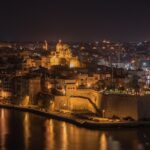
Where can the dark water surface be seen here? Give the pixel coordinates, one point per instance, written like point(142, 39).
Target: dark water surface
point(26, 131)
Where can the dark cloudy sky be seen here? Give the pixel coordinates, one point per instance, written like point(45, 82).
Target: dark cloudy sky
point(118, 20)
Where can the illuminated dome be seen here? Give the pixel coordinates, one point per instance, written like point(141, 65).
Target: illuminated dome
point(65, 46)
point(63, 56)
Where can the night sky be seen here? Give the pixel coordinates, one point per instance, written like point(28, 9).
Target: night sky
point(117, 20)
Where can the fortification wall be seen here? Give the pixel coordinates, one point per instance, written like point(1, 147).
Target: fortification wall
point(60, 102)
point(77, 103)
point(144, 107)
point(87, 93)
point(137, 107)
point(72, 103)
point(119, 105)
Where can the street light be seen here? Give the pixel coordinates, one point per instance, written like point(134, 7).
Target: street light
point(103, 113)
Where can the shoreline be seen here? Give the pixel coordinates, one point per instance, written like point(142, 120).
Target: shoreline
point(78, 122)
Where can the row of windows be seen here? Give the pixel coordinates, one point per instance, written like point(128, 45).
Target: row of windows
point(71, 88)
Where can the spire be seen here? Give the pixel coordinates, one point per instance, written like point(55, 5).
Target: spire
point(59, 46)
point(45, 46)
point(60, 41)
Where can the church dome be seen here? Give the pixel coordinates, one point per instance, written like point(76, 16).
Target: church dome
point(65, 46)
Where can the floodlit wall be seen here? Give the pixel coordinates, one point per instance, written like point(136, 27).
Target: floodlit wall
point(72, 103)
point(87, 93)
point(80, 104)
point(136, 107)
point(61, 102)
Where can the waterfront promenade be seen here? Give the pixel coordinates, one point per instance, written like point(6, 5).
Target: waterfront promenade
point(71, 118)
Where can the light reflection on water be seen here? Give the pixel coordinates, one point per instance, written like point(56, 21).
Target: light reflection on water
point(20, 131)
point(26, 129)
point(3, 128)
point(103, 142)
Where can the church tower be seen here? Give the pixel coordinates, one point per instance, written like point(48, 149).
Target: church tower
point(45, 45)
point(59, 46)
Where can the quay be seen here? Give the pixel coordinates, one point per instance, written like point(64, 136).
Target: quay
point(70, 118)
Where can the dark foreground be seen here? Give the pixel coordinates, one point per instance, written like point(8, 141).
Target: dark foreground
point(20, 130)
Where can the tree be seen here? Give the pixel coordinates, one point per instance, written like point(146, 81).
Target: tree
point(101, 84)
point(134, 84)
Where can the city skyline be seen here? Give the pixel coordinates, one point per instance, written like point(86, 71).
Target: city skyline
point(74, 20)
point(74, 74)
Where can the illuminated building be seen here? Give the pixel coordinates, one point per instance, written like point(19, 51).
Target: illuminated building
point(87, 80)
point(63, 56)
point(5, 45)
point(45, 45)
